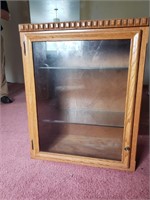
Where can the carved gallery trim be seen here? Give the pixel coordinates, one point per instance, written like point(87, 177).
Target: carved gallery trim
point(85, 24)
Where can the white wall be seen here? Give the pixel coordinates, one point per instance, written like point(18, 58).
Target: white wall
point(67, 10)
point(97, 9)
point(19, 14)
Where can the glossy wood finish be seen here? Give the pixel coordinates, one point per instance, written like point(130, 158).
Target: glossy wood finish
point(138, 35)
point(140, 75)
point(86, 24)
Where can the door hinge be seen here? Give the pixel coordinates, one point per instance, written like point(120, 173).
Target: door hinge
point(24, 48)
point(32, 145)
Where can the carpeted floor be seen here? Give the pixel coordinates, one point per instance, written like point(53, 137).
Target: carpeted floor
point(22, 178)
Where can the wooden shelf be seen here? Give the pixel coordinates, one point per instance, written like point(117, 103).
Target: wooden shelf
point(82, 140)
point(86, 68)
point(100, 118)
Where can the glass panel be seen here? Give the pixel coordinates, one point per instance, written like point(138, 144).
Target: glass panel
point(81, 91)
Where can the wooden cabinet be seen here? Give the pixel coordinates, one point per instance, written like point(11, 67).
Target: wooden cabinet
point(83, 90)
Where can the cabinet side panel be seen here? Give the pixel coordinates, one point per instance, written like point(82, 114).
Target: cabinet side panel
point(145, 32)
point(130, 98)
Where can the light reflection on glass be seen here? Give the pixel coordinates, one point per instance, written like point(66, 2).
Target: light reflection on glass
point(81, 85)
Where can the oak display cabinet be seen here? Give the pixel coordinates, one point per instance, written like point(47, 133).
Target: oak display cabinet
point(83, 90)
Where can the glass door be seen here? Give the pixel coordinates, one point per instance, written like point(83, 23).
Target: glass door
point(81, 88)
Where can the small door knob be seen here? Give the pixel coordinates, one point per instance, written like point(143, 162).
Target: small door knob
point(127, 148)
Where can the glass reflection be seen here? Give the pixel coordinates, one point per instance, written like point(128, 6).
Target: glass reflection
point(81, 85)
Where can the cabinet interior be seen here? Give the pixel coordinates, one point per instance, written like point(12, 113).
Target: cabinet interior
point(81, 94)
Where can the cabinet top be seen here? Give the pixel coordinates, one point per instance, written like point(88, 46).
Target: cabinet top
point(86, 24)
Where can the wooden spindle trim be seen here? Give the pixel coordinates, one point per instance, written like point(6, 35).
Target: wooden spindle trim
point(137, 22)
point(56, 25)
point(77, 24)
point(89, 24)
point(61, 25)
point(101, 23)
point(51, 25)
point(41, 26)
point(106, 22)
point(144, 21)
point(112, 22)
point(124, 22)
point(118, 22)
point(130, 22)
point(36, 27)
point(72, 24)
point(94, 23)
point(84, 24)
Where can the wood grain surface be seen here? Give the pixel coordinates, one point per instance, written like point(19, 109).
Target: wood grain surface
point(86, 24)
point(87, 144)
